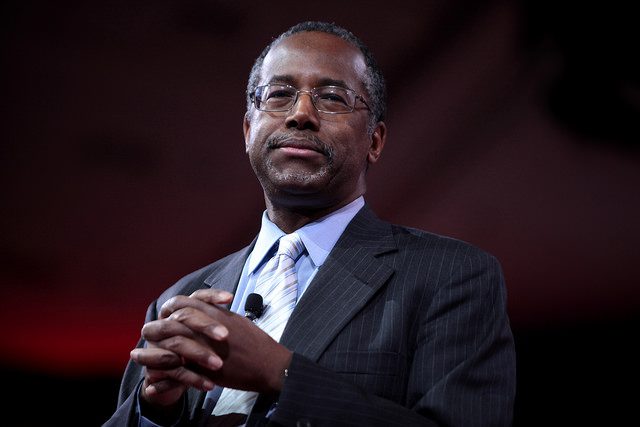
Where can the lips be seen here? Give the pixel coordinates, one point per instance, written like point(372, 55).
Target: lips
point(299, 144)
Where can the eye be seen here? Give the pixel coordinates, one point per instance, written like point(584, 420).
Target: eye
point(279, 92)
point(333, 97)
point(274, 97)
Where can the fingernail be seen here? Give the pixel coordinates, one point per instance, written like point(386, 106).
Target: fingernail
point(207, 385)
point(151, 390)
point(214, 362)
point(220, 332)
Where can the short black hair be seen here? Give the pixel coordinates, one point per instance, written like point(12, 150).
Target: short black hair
point(374, 80)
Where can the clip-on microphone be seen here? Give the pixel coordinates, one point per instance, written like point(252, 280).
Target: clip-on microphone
point(253, 307)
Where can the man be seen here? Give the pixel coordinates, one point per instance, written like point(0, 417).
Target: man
point(391, 326)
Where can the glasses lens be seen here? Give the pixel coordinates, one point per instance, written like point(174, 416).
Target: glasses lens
point(274, 97)
point(334, 99)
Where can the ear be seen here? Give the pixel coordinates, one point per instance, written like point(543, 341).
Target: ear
point(378, 139)
point(246, 130)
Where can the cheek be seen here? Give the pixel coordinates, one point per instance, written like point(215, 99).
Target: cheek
point(248, 142)
point(259, 131)
point(351, 160)
point(253, 138)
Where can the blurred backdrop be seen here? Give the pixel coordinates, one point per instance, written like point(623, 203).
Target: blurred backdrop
point(513, 125)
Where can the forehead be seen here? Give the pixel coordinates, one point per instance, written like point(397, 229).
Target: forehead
point(311, 58)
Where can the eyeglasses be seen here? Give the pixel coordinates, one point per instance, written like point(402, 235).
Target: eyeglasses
point(326, 99)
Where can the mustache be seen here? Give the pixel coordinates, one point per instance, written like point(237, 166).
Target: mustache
point(278, 140)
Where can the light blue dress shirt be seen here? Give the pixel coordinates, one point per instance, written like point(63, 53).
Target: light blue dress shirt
point(319, 238)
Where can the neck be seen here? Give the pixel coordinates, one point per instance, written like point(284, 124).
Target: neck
point(291, 218)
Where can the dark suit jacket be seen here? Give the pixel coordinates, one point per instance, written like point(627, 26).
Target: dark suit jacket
point(399, 327)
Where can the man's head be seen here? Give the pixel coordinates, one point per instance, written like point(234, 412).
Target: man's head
point(373, 80)
point(310, 132)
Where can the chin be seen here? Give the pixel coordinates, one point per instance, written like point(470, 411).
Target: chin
point(300, 179)
point(294, 187)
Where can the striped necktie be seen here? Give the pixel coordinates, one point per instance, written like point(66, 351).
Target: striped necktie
point(278, 285)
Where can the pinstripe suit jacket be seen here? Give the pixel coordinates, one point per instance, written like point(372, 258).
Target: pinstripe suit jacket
point(399, 327)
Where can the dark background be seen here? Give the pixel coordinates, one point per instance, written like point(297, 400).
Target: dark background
point(512, 125)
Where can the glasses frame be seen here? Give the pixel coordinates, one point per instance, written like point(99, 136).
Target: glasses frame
point(357, 97)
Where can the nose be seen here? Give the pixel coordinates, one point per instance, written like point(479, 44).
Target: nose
point(303, 115)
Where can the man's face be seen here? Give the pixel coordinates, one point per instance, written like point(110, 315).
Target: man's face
point(304, 158)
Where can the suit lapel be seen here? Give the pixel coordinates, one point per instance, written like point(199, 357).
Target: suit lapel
point(350, 276)
point(228, 275)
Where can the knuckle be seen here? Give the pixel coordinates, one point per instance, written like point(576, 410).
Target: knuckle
point(174, 344)
point(170, 303)
point(170, 359)
point(182, 314)
point(185, 376)
point(173, 303)
point(164, 328)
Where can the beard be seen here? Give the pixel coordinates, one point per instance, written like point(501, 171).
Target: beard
point(294, 177)
point(274, 178)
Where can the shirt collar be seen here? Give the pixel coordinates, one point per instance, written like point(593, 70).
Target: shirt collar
point(319, 237)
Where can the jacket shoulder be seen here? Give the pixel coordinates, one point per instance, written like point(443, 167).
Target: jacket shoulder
point(411, 238)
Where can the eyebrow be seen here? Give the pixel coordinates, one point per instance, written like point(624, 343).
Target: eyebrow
point(326, 81)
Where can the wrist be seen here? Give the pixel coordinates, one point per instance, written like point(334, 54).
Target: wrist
point(280, 372)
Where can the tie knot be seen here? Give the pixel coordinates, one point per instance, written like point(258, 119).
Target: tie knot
point(290, 245)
